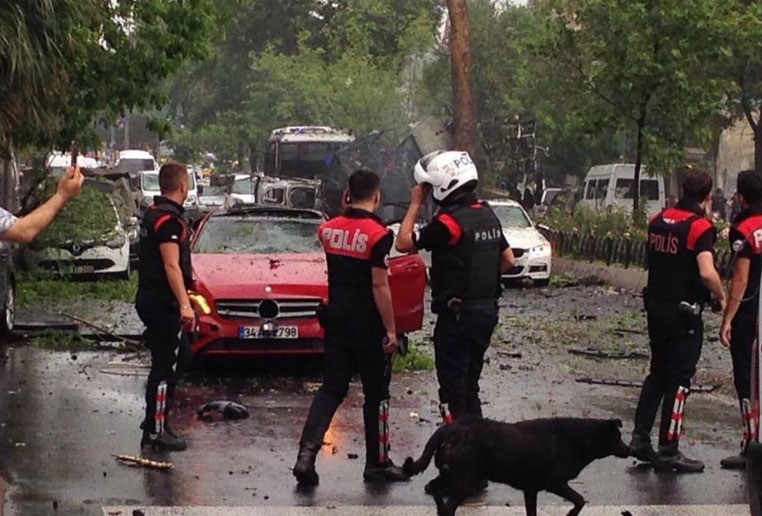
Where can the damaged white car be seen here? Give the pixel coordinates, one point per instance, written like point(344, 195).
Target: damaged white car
point(530, 248)
point(88, 238)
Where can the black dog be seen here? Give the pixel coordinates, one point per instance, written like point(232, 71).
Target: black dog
point(533, 456)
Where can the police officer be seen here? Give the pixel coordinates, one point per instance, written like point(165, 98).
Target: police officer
point(680, 270)
point(469, 253)
point(360, 335)
point(162, 300)
point(739, 324)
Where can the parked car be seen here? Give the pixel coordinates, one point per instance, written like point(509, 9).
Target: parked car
point(289, 193)
point(243, 191)
point(149, 188)
point(212, 198)
point(612, 186)
point(91, 236)
point(7, 290)
point(531, 250)
point(260, 274)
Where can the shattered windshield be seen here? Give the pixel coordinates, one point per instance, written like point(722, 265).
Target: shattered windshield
point(244, 235)
point(150, 182)
point(511, 216)
point(243, 186)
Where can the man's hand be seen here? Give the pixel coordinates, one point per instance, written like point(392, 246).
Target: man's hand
point(419, 193)
point(187, 317)
point(725, 333)
point(722, 305)
point(390, 347)
point(70, 184)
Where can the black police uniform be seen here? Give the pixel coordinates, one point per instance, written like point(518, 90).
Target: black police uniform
point(354, 243)
point(158, 308)
point(675, 238)
point(746, 242)
point(466, 240)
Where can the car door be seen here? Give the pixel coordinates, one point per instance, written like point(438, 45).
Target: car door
point(407, 280)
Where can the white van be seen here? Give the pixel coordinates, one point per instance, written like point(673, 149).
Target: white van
point(58, 162)
point(609, 186)
point(133, 162)
point(149, 188)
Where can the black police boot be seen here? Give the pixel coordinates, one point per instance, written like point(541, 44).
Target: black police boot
point(641, 448)
point(734, 462)
point(389, 472)
point(304, 469)
point(163, 442)
point(672, 460)
point(167, 429)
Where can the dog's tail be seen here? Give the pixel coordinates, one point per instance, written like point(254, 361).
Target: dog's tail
point(413, 467)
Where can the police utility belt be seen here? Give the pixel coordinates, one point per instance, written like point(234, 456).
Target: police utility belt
point(455, 305)
point(695, 308)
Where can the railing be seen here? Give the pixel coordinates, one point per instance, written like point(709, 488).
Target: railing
point(622, 250)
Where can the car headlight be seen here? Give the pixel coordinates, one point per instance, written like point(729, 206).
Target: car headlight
point(146, 201)
point(116, 242)
point(199, 301)
point(540, 250)
point(191, 200)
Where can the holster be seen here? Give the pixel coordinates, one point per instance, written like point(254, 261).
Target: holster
point(327, 316)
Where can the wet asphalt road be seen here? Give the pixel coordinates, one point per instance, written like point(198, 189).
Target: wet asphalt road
point(63, 415)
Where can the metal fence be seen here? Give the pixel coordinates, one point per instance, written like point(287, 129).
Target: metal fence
point(613, 250)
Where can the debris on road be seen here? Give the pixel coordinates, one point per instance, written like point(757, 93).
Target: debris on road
point(611, 355)
point(143, 462)
point(228, 409)
point(102, 331)
point(629, 383)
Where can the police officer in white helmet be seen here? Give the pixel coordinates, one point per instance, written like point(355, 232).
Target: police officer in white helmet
point(469, 254)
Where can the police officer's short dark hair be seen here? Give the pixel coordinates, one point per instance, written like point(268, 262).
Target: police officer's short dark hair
point(363, 184)
point(696, 186)
point(171, 176)
point(750, 186)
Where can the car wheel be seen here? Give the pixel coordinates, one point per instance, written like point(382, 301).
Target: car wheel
point(541, 282)
point(8, 320)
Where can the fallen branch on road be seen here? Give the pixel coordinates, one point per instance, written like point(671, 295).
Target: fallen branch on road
point(101, 330)
point(144, 463)
point(630, 383)
point(610, 355)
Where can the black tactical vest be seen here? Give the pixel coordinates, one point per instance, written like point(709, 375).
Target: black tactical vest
point(152, 274)
point(470, 269)
point(673, 273)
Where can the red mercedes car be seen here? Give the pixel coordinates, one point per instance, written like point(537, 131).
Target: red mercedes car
point(259, 275)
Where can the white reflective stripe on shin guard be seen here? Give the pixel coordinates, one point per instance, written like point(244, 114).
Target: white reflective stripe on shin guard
point(161, 406)
point(383, 432)
point(678, 409)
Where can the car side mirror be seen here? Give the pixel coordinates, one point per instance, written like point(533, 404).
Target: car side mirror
point(543, 227)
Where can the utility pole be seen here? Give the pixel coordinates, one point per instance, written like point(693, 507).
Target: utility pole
point(464, 103)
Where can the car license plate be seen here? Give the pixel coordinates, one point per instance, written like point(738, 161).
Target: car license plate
point(256, 332)
point(84, 269)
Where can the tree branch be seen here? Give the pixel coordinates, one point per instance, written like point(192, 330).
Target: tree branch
point(745, 103)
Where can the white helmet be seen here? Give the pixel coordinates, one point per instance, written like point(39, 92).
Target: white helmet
point(445, 171)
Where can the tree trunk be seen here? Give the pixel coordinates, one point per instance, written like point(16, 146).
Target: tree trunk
point(757, 149)
point(464, 103)
point(636, 177)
